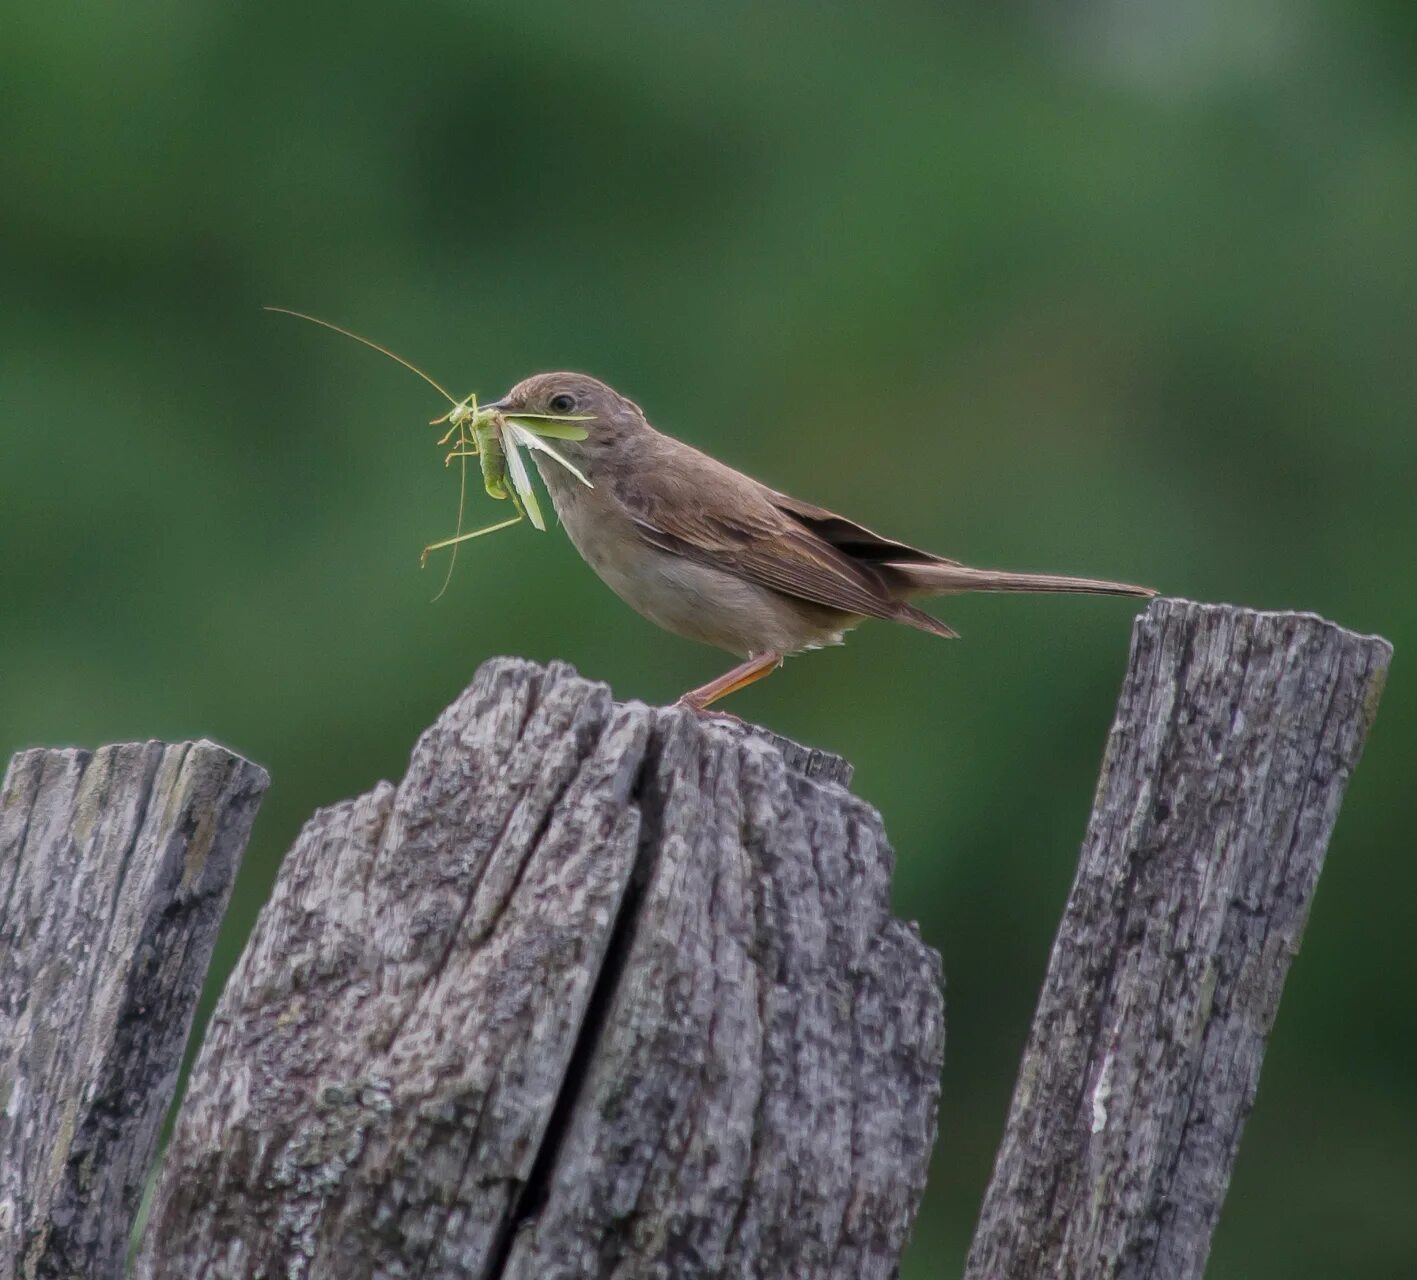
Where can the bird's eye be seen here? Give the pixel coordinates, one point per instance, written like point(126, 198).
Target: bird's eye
point(562, 403)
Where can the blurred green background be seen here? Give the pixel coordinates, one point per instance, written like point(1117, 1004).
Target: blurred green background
point(1126, 289)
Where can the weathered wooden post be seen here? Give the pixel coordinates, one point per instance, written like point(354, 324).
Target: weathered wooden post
point(1234, 739)
point(595, 990)
point(115, 868)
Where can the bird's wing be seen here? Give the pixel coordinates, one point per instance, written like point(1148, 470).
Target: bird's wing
point(854, 540)
point(720, 517)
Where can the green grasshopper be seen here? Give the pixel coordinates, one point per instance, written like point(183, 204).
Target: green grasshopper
point(495, 439)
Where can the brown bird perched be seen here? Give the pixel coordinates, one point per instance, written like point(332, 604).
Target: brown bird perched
point(709, 553)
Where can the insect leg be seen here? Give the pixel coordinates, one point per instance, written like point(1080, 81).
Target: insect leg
point(464, 537)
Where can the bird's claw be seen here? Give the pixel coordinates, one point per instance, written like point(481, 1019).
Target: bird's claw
point(688, 704)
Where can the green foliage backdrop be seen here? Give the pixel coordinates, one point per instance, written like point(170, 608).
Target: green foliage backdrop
point(1119, 289)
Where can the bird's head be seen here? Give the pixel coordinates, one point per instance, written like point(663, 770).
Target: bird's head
point(609, 419)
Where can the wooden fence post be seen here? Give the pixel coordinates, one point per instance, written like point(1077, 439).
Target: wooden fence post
point(115, 868)
point(608, 990)
point(1234, 739)
point(594, 990)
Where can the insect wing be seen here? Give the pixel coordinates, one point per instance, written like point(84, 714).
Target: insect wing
point(521, 482)
point(559, 427)
point(533, 441)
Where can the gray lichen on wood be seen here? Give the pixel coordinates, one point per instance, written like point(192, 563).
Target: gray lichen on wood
point(115, 868)
point(595, 990)
point(1233, 742)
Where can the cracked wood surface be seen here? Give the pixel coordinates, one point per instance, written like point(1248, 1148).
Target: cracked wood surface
point(115, 869)
point(1233, 742)
point(596, 990)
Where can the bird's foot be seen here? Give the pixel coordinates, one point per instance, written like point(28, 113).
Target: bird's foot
point(707, 713)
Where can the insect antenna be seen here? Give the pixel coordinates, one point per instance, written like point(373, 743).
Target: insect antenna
point(459, 421)
point(368, 342)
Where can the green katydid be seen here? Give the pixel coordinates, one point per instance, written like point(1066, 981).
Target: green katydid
point(489, 435)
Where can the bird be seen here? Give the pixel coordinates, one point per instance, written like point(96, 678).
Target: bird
point(713, 555)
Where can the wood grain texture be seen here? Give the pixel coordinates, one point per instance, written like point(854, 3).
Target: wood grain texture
point(115, 869)
point(595, 990)
point(1233, 742)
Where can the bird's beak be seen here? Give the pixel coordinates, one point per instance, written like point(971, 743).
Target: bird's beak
point(498, 405)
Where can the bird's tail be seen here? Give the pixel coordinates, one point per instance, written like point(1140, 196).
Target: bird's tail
point(950, 579)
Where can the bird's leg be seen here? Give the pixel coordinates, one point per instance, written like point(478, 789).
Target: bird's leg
point(731, 681)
